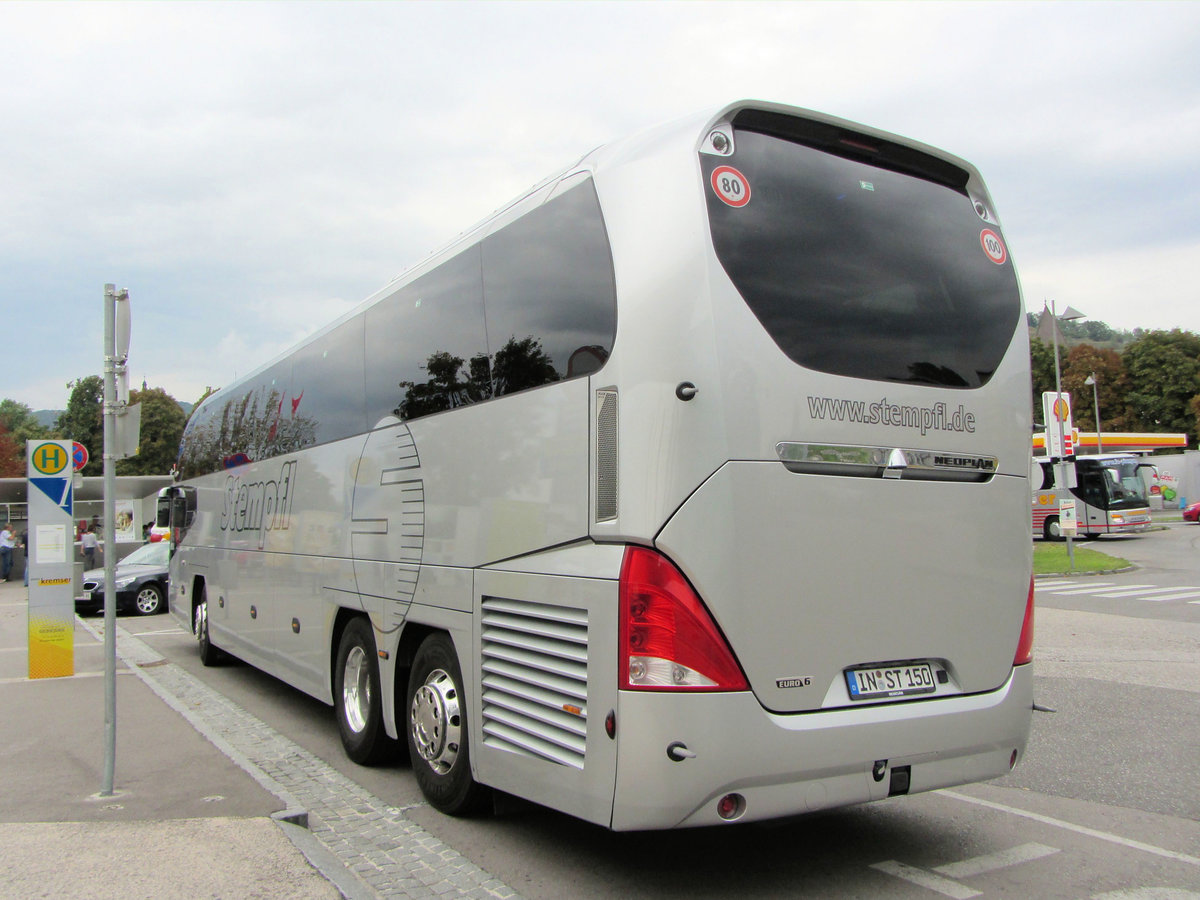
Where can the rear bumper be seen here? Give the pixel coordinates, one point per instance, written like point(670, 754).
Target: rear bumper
point(788, 764)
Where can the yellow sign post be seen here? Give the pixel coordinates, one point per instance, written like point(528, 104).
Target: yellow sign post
point(51, 559)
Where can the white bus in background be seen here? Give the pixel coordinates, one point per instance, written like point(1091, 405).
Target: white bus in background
point(689, 488)
point(1111, 493)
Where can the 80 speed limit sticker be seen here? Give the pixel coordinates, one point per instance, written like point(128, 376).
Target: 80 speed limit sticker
point(993, 246)
point(731, 186)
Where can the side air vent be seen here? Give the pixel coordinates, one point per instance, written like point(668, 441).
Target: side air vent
point(535, 680)
point(606, 455)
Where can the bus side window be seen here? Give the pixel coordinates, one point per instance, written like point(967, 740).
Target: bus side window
point(550, 293)
point(426, 351)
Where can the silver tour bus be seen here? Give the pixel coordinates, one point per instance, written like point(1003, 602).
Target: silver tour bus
point(689, 488)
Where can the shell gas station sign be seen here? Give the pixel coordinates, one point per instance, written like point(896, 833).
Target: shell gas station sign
point(1060, 437)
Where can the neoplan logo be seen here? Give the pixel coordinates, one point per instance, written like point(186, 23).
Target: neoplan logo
point(966, 462)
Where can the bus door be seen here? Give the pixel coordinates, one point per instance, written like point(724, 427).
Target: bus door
point(175, 514)
point(1094, 494)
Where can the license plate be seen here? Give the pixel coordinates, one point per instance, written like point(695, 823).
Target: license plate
point(880, 682)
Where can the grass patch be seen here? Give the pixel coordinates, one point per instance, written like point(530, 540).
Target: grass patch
point(1050, 558)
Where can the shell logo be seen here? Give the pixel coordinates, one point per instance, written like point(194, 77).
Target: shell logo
point(1062, 409)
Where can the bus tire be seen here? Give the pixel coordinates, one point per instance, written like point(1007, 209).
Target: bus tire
point(1051, 530)
point(438, 742)
point(357, 696)
point(210, 655)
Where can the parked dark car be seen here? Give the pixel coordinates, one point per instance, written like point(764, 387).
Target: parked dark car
point(141, 582)
point(1192, 513)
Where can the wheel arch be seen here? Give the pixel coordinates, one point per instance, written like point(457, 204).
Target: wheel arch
point(343, 618)
point(406, 650)
point(199, 589)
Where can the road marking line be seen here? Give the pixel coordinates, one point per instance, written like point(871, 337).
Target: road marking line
point(1117, 590)
point(1090, 589)
point(1078, 829)
point(1194, 592)
point(1074, 584)
point(1182, 596)
point(969, 868)
point(922, 878)
point(24, 679)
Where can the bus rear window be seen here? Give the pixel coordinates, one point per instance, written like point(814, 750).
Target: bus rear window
point(863, 271)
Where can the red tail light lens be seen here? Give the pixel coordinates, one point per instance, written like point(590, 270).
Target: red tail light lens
point(1025, 644)
point(668, 639)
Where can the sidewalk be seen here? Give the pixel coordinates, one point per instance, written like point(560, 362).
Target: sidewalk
point(210, 801)
point(184, 821)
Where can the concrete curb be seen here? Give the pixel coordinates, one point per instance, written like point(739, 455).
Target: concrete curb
point(1079, 574)
point(363, 846)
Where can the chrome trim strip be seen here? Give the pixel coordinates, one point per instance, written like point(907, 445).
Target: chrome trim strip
point(885, 462)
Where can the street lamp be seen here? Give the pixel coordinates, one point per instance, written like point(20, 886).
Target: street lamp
point(1061, 467)
point(1091, 379)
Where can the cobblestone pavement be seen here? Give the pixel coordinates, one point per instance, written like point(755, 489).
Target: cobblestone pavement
point(388, 855)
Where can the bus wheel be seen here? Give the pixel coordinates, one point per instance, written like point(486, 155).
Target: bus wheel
point(357, 697)
point(1051, 530)
point(209, 655)
point(437, 730)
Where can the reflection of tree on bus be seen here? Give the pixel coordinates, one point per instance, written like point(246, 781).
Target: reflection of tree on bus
point(516, 366)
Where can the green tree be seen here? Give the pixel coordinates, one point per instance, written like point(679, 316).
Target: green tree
point(1112, 386)
point(12, 460)
point(1164, 379)
point(19, 423)
point(83, 420)
point(161, 429)
point(1041, 360)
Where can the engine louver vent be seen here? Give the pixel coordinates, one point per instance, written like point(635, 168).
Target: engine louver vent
point(606, 455)
point(535, 680)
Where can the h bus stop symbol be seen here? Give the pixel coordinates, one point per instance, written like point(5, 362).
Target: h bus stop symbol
point(50, 459)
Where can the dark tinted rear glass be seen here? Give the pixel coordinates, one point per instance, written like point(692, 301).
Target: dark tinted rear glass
point(860, 270)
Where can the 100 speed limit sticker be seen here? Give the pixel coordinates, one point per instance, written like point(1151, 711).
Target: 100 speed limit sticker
point(993, 246)
point(730, 185)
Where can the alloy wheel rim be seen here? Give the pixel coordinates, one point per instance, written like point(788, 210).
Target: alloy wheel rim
point(356, 689)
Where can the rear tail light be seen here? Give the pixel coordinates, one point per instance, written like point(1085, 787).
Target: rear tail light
point(668, 639)
point(1025, 644)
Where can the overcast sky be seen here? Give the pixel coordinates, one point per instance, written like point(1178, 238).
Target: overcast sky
point(251, 171)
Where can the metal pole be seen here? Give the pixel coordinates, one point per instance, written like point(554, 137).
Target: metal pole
point(110, 548)
point(1061, 465)
point(1096, 401)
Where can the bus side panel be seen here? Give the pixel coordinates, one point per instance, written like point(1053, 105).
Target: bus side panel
point(546, 674)
point(504, 478)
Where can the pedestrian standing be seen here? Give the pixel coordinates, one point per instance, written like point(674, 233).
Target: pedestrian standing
point(90, 546)
point(7, 542)
point(25, 551)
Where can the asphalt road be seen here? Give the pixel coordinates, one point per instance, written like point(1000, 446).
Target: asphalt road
point(1106, 803)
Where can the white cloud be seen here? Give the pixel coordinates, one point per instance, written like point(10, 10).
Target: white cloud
point(255, 168)
point(1143, 287)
